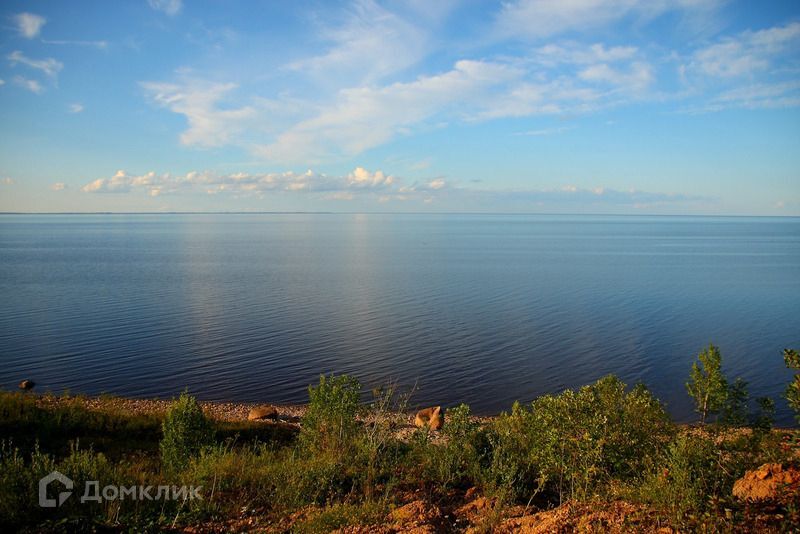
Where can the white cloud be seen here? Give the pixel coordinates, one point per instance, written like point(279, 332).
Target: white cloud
point(361, 178)
point(170, 7)
point(559, 96)
point(564, 77)
point(773, 95)
point(570, 195)
point(365, 117)
point(76, 108)
point(58, 186)
point(747, 53)
point(544, 18)
point(369, 45)
point(209, 124)
point(119, 183)
point(2, 81)
point(341, 195)
point(29, 25)
point(49, 66)
point(576, 53)
point(378, 187)
point(94, 44)
point(359, 181)
point(438, 183)
point(751, 70)
point(31, 85)
point(545, 131)
point(637, 78)
point(8, 181)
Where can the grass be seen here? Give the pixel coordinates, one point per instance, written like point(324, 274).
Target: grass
point(343, 515)
point(599, 444)
point(53, 429)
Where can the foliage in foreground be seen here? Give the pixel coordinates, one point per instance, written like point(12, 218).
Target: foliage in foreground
point(598, 443)
point(186, 432)
point(571, 444)
point(792, 394)
point(707, 385)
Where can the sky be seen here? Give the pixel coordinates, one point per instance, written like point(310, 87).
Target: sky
point(524, 106)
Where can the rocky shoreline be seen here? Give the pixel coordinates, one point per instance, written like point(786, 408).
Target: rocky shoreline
point(232, 411)
point(289, 415)
point(222, 411)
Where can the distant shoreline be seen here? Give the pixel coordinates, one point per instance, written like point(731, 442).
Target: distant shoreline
point(480, 213)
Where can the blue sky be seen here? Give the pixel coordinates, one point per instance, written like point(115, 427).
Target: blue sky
point(581, 106)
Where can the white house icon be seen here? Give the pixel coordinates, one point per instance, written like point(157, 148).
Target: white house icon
point(44, 502)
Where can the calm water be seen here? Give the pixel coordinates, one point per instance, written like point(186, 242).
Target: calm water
point(474, 308)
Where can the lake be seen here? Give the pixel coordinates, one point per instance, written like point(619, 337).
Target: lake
point(482, 309)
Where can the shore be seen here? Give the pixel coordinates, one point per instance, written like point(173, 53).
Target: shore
point(289, 415)
point(221, 411)
point(239, 411)
point(360, 477)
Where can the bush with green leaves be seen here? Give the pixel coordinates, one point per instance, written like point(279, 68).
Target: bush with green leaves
point(379, 453)
point(186, 432)
point(707, 384)
point(764, 417)
point(19, 481)
point(18, 484)
point(458, 457)
point(689, 475)
point(510, 473)
point(570, 443)
point(735, 407)
point(320, 478)
point(450, 460)
point(330, 422)
point(792, 359)
point(565, 431)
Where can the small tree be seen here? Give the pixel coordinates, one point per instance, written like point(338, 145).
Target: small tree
point(330, 424)
point(186, 432)
point(707, 385)
point(764, 418)
point(734, 409)
point(792, 394)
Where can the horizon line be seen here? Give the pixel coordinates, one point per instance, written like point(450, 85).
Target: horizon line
point(236, 212)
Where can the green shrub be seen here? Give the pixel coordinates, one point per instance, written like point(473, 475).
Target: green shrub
point(330, 423)
point(82, 466)
point(19, 484)
point(688, 477)
point(510, 473)
point(707, 385)
point(186, 432)
point(281, 480)
point(379, 452)
point(764, 417)
point(457, 458)
point(581, 438)
point(734, 408)
point(792, 359)
point(564, 442)
point(450, 460)
point(321, 479)
point(220, 469)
